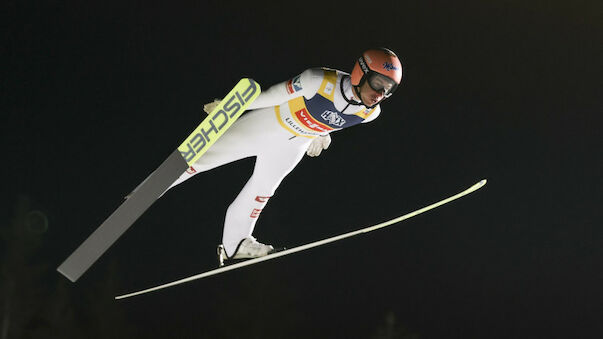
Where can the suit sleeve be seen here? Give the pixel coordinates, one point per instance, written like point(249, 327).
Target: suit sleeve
point(305, 84)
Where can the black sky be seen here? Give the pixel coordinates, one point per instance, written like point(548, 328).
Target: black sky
point(95, 96)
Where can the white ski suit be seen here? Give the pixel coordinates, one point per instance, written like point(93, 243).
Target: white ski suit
point(277, 130)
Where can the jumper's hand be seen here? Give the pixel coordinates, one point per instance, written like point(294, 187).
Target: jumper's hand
point(208, 108)
point(318, 144)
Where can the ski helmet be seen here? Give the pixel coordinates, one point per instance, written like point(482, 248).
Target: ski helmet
point(381, 68)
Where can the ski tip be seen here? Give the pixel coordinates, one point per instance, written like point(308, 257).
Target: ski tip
point(477, 186)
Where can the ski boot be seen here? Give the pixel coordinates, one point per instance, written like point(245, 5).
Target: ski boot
point(248, 248)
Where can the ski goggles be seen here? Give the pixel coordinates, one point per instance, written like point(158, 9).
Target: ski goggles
point(382, 84)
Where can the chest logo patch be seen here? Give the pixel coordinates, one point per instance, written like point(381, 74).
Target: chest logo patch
point(333, 118)
point(294, 85)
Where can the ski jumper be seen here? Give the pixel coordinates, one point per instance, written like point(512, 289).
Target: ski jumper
point(277, 130)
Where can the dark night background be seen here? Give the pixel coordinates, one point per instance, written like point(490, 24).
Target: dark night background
point(96, 95)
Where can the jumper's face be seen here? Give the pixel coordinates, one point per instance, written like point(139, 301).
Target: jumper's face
point(380, 83)
point(369, 96)
point(375, 88)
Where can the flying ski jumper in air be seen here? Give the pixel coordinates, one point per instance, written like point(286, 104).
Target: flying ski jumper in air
point(283, 123)
point(287, 120)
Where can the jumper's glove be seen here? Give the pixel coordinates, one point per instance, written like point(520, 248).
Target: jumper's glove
point(318, 144)
point(208, 108)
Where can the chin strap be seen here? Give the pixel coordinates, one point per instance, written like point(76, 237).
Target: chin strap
point(349, 101)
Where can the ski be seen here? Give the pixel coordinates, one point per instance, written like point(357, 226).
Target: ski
point(189, 151)
point(308, 246)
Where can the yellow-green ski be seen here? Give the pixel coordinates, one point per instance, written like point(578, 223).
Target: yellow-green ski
point(219, 120)
point(216, 123)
